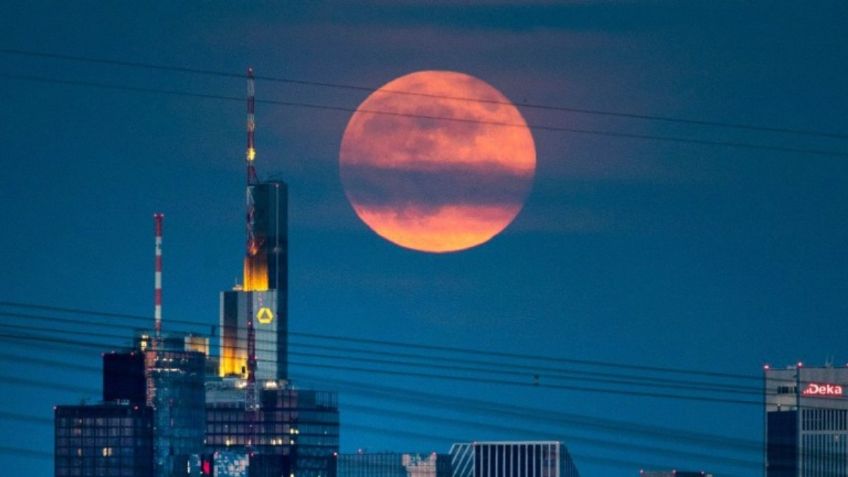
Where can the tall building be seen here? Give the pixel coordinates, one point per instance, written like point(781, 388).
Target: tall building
point(174, 381)
point(512, 459)
point(294, 431)
point(806, 422)
point(123, 377)
point(103, 440)
point(152, 413)
point(264, 293)
point(393, 464)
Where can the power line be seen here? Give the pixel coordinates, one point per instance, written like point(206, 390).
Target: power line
point(540, 416)
point(411, 345)
point(470, 379)
point(429, 418)
point(460, 369)
point(464, 423)
point(499, 410)
point(621, 446)
point(490, 367)
point(371, 89)
point(382, 431)
point(425, 362)
point(584, 376)
point(345, 109)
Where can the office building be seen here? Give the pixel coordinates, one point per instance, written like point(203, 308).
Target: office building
point(123, 377)
point(174, 381)
point(512, 459)
point(263, 294)
point(806, 422)
point(152, 417)
point(103, 440)
point(393, 464)
point(294, 431)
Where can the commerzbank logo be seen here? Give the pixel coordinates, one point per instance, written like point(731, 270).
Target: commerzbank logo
point(265, 315)
point(818, 389)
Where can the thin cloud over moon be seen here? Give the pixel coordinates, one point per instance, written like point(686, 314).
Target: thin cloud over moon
point(431, 184)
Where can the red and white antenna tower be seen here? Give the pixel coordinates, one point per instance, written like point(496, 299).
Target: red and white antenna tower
point(157, 275)
point(251, 126)
point(251, 402)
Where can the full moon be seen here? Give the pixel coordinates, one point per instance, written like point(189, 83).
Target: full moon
point(437, 161)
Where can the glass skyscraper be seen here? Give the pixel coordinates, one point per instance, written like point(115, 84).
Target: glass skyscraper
point(103, 440)
point(175, 390)
point(263, 293)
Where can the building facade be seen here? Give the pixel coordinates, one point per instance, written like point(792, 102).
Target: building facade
point(103, 440)
point(392, 464)
point(174, 379)
point(294, 431)
point(263, 295)
point(512, 459)
point(123, 377)
point(806, 422)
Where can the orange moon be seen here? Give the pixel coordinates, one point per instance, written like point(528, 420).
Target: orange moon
point(431, 172)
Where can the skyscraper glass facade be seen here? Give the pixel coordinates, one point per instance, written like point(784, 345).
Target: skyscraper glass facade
point(104, 440)
point(175, 391)
point(294, 431)
point(236, 306)
point(512, 459)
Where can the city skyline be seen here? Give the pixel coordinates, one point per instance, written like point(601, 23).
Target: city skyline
point(638, 251)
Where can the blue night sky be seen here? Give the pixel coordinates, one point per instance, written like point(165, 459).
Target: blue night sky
point(629, 251)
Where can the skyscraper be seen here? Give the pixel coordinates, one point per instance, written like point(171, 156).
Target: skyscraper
point(252, 409)
point(806, 422)
point(123, 377)
point(264, 293)
point(294, 431)
point(512, 459)
point(174, 378)
point(103, 440)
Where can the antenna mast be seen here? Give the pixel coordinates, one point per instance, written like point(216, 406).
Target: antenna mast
point(251, 126)
point(251, 403)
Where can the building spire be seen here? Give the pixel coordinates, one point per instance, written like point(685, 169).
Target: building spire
point(250, 261)
point(251, 127)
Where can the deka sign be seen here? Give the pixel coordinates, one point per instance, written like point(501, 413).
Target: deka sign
point(816, 389)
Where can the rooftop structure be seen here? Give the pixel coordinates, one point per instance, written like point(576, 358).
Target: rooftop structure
point(512, 459)
point(393, 464)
